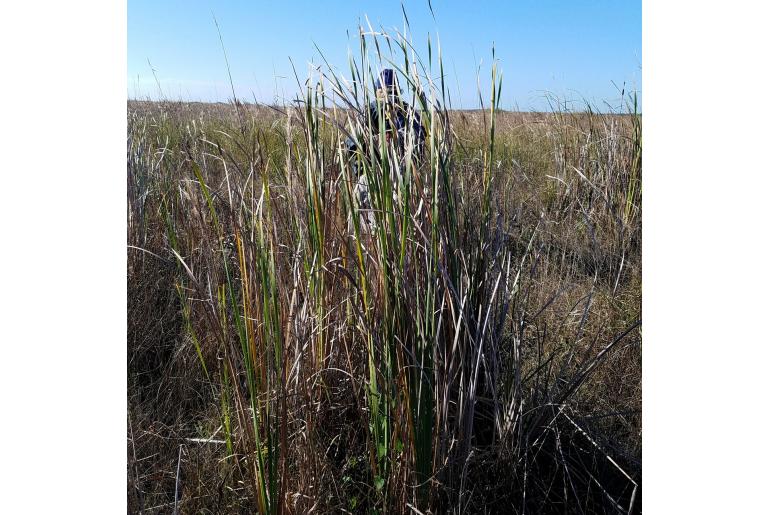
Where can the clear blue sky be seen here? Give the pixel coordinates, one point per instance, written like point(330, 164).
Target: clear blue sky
point(574, 49)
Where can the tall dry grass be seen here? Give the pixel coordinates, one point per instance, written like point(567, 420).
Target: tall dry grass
point(477, 349)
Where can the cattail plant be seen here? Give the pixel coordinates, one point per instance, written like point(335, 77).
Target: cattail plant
point(375, 358)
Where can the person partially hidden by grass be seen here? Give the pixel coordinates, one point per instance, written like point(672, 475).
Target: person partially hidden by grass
point(404, 140)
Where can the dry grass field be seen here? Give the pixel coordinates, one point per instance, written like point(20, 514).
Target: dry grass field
point(478, 350)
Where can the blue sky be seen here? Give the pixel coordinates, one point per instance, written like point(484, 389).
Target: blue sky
point(571, 49)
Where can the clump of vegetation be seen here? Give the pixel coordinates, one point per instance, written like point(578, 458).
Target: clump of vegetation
point(476, 349)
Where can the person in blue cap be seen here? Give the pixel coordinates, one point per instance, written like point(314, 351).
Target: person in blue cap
point(403, 129)
point(399, 116)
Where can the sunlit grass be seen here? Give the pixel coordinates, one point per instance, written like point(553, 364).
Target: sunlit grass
point(377, 366)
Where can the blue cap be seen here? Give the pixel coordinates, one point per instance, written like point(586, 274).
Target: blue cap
point(386, 79)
